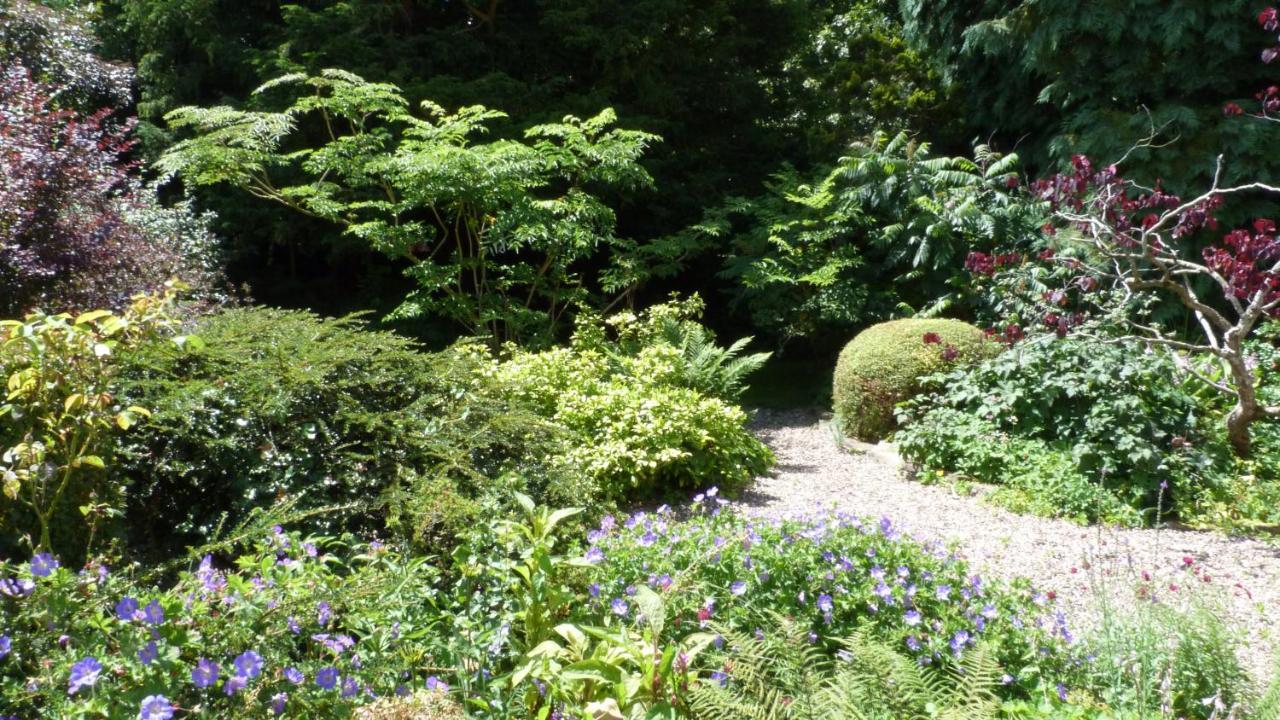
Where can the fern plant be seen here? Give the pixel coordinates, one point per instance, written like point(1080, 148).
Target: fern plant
point(717, 371)
point(786, 676)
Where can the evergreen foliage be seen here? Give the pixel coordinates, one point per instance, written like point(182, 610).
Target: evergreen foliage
point(1059, 77)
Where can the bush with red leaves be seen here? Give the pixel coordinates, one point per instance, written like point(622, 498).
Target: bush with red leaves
point(77, 229)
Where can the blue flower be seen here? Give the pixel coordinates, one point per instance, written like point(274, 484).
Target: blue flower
point(205, 673)
point(350, 686)
point(720, 678)
point(153, 614)
point(17, 588)
point(278, 702)
point(619, 607)
point(148, 653)
point(943, 592)
point(234, 684)
point(738, 588)
point(84, 674)
point(294, 675)
point(594, 556)
point(959, 640)
point(912, 617)
point(824, 603)
point(43, 565)
point(913, 644)
point(1062, 692)
point(327, 678)
point(127, 609)
point(248, 664)
point(155, 707)
point(435, 684)
point(6, 645)
point(323, 613)
point(594, 590)
point(294, 627)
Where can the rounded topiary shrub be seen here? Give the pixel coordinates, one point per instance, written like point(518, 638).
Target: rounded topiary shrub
point(883, 365)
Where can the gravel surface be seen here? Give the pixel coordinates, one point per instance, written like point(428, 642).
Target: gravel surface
point(816, 469)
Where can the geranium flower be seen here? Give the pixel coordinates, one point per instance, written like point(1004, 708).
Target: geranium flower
point(327, 678)
point(205, 673)
point(435, 684)
point(84, 674)
point(912, 617)
point(293, 675)
point(148, 653)
point(43, 565)
point(619, 607)
point(278, 702)
point(155, 707)
point(6, 646)
point(153, 614)
point(248, 664)
point(234, 684)
point(738, 588)
point(127, 609)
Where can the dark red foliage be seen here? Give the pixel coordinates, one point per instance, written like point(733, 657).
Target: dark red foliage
point(932, 338)
point(1248, 262)
point(950, 353)
point(65, 192)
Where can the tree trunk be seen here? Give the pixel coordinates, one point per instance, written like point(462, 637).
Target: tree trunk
point(1238, 421)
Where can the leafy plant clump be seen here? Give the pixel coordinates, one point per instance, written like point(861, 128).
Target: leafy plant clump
point(1076, 428)
point(883, 366)
point(647, 401)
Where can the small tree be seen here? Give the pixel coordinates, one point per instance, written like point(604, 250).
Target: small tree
point(1123, 248)
point(493, 233)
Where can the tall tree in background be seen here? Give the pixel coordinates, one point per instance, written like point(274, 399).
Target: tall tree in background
point(1060, 77)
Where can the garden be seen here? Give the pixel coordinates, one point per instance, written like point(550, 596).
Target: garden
point(604, 360)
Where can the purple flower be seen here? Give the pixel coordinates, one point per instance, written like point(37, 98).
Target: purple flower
point(43, 565)
point(324, 613)
point(943, 592)
point(278, 702)
point(153, 614)
point(84, 674)
point(720, 678)
point(1062, 692)
point(234, 684)
point(619, 607)
point(959, 640)
point(913, 644)
point(155, 707)
point(293, 675)
point(294, 627)
point(824, 603)
point(127, 609)
point(594, 555)
point(205, 673)
point(593, 590)
point(912, 617)
point(350, 687)
point(647, 539)
point(6, 645)
point(327, 678)
point(738, 588)
point(248, 664)
point(148, 653)
point(435, 684)
point(17, 588)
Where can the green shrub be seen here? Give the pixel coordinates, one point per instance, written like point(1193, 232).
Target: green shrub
point(58, 417)
point(1086, 430)
point(639, 426)
point(882, 367)
point(282, 404)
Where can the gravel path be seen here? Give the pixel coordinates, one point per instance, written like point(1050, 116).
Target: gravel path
point(815, 468)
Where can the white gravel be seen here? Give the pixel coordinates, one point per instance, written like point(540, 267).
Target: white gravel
point(817, 469)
